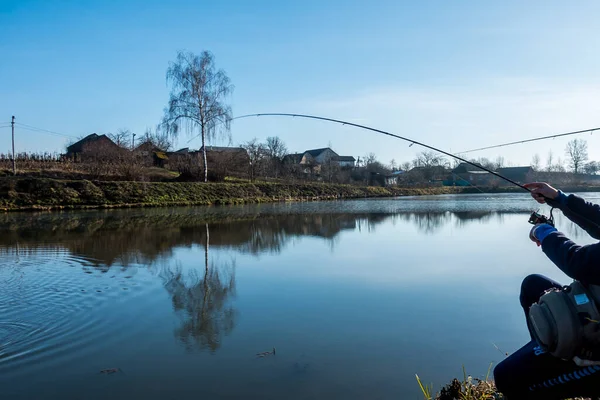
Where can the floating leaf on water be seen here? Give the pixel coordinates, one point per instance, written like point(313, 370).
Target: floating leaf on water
point(109, 371)
point(266, 353)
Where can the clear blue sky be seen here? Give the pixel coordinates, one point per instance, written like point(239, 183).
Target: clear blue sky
point(457, 74)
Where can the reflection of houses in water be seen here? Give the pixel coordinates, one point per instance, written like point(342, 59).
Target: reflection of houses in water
point(105, 240)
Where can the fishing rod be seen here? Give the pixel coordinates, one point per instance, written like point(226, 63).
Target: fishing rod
point(592, 130)
point(411, 141)
point(535, 218)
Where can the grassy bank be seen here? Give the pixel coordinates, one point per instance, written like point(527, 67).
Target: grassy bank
point(44, 193)
point(467, 389)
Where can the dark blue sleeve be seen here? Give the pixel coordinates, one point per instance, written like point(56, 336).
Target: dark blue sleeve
point(582, 212)
point(579, 262)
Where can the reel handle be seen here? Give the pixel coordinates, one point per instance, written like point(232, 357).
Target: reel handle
point(537, 218)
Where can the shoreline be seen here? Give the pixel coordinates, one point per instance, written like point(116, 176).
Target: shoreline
point(45, 194)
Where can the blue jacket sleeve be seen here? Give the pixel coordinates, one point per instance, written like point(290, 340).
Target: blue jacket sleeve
point(581, 263)
point(580, 211)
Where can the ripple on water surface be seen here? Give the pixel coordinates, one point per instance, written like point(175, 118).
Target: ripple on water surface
point(51, 309)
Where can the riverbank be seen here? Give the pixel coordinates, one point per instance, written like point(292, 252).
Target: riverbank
point(30, 193)
point(467, 389)
point(47, 194)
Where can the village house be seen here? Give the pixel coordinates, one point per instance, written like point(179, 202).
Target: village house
point(93, 145)
point(152, 154)
point(517, 174)
point(392, 179)
point(313, 159)
point(468, 175)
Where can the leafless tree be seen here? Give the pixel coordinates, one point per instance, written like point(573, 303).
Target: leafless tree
point(257, 154)
point(577, 152)
point(405, 166)
point(369, 159)
point(393, 165)
point(499, 163)
point(275, 150)
point(549, 161)
point(122, 138)
point(559, 166)
point(158, 138)
point(535, 162)
point(197, 99)
point(428, 159)
point(485, 162)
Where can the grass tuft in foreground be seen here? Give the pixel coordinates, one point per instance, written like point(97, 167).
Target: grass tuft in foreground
point(467, 389)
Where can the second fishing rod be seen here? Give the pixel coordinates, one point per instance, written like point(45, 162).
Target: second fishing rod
point(535, 218)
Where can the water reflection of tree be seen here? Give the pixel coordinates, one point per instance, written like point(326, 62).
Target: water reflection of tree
point(203, 301)
point(427, 222)
point(105, 240)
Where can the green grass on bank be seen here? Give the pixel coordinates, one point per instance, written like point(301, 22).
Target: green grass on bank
point(44, 193)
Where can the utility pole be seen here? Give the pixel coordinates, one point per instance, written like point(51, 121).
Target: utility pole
point(133, 141)
point(13, 145)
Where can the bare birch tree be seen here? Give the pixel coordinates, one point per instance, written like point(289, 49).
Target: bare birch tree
point(197, 100)
point(577, 152)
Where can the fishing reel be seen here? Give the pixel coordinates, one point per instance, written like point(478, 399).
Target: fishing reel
point(537, 218)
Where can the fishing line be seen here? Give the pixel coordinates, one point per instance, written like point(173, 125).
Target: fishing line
point(592, 130)
point(411, 141)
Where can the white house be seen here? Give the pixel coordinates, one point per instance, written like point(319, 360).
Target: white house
point(322, 156)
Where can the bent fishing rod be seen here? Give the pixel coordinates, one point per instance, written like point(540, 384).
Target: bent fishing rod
point(411, 141)
point(535, 218)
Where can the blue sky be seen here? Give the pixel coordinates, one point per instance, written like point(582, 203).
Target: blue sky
point(457, 75)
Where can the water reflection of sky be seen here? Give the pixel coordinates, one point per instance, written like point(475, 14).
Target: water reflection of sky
point(355, 302)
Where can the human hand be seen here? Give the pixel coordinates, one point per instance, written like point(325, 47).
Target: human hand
point(541, 191)
point(538, 233)
point(532, 235)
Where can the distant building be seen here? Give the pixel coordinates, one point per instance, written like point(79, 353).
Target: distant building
point(468, 175)
point(152, 154)
point(345, 161)
point(317, 157)
point(94, 145)
point(392, 179)
point(517, 174)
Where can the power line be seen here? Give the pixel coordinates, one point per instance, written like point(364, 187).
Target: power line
point(529, 140)
point(36, 129)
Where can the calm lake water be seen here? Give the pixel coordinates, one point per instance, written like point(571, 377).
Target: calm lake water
point(356, 297)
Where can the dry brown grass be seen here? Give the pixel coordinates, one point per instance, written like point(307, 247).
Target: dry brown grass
point(467, 389)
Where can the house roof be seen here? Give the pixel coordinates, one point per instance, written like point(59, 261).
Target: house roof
point(436, 168)
point(344, 158)
point(293, 158)
point(161, 155)
point(148, 146)
point(182, 151)
point(514, 170)
point(77, 147)
point(316, 152)
point(464, 167)
point(224, 149)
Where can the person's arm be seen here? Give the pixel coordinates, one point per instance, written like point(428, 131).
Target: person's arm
point(579, 262)
point(575, 208)
point(581, 212)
